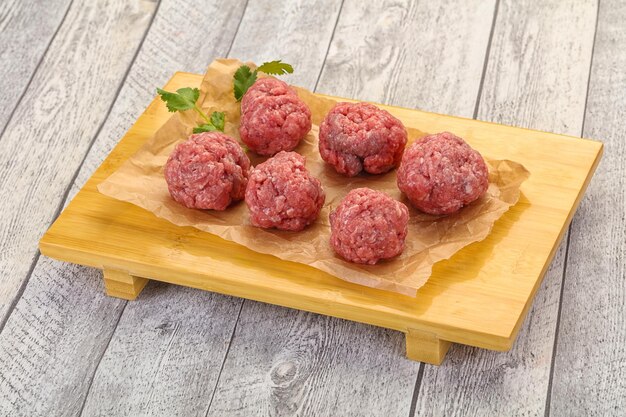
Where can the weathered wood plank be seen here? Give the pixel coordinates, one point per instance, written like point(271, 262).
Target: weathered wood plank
point(474, 381)
point(52, 127)
point(285, 362)
point(165, 356)
point(54, 339)
point(536, 77)
point(37, 358)
point(298, 32)
point(410, 54)
point(590, 363)
point(57, 334)
point(26, 29)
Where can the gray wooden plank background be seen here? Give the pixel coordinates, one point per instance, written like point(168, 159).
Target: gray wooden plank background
point(528, 38)
point(78, 74)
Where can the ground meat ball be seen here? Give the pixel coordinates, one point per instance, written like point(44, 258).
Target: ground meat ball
point(281, 194)
point(273, 118)
point(441, 173)
point(266, 87)
point(368, 226)
point(361, 137)
point(207, 171)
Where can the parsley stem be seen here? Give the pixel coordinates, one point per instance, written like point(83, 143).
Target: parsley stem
point(201, 113)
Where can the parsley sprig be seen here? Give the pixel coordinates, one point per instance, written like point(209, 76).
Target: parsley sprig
point(245, 77)
point(186, 99)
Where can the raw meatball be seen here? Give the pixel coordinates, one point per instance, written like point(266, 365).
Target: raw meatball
point(207, 171)
point(266, 87)
point(368, 226)
point(282, 194)
point(361, 137)
point(441, 173)
point(273, 118)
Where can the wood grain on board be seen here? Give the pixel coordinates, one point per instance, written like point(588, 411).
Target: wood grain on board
point(590, 358)
point(100, 231)
point(529, 84)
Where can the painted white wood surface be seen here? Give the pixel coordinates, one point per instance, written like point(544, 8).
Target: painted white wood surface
point(55, 122)
point(527, 83)
point(26, 29)
point(590, 362)
point(165, 355)
point(66, 349)
point(283, 362)
point(425, 55)
point(50, 132)
point(53, 341)
point(296, 31)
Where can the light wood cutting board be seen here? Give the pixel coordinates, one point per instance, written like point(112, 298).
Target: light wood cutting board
point(479, 297)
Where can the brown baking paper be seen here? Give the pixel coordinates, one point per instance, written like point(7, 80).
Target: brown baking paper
point(430, 239)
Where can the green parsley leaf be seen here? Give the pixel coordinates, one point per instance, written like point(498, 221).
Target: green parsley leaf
point(275, 68)
point(204, 128)
point(243, 79)
point(218, 119)
point(217, 122)
point(183, 99)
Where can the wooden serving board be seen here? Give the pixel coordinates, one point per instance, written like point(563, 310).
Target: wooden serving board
point(479, 297)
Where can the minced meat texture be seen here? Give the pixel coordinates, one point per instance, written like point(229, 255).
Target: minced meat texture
point(207, 171)
point(368, 226)
point(441, 173)
point(282, 194)
point(273, 117)
point(266, 87)
point(357, 137)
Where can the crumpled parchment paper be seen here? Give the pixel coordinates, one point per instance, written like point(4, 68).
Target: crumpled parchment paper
point(430, 239)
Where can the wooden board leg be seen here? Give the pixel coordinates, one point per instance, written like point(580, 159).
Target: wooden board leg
point(425, 347)
point(121, 284)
